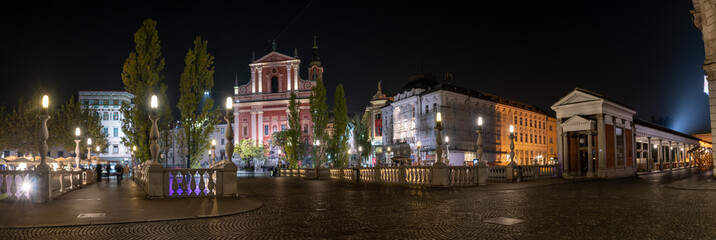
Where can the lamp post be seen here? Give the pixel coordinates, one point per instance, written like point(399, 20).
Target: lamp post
point(44, 134)
point(447, 147)
point(387, 155)
point(438, 139)
point(479, 139)
point(213, 151)
point(512, 144)
point(77, 148)
point(89, 149)
point(360, 157)
point(418, 144)
point(229, 135)
point(154, 133)
point(134, 152)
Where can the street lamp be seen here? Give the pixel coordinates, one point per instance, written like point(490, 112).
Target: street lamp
point(134, 150)
point(512, 144)
point(89, 148)
point(447, 146)
point(77, 147)
point(154, 133)
point(387, 156)
point(44, 134)
point(360, 157)
point(229, 135)
point(438, 139)
point(479, 138)
point(213, 151)
point(419, 144)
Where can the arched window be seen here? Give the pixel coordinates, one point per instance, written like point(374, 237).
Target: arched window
point(274, 84)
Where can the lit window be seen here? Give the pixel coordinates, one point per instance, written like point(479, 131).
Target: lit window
point(116, 132)
point(266, 130)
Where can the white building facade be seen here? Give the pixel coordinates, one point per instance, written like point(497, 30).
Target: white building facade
point(107, 105)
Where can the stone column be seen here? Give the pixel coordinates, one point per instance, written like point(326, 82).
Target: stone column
point(260, 138)
point(669, 153)
point(252, 122)
point(288, 77)
point(260, 83)
point(590, 161)
point(565, 153)
point(295, 77)
point(253, 80)
point(649, 159)
point(660, 155)
point(602, 142)
point(560, 146)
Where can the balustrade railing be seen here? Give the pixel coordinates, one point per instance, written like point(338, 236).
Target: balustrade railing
point(497, 173)
point(159, 182)
point(418, 175)
point(17, 185)
point(462, 176)
point(27, 185)
point(191, 182)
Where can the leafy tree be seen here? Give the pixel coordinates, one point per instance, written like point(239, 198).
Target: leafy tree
point(72, 115)
point(4, 139)
point(22, 127)
point(361, 135)
point(339, 142)
point(142, 76)
point(198, 120)
point(294, 146)
point(248, 151)
point(319, 117)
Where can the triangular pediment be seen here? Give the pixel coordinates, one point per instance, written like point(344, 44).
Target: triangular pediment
point(274, 57)
point(577, 123)
point(576, 96)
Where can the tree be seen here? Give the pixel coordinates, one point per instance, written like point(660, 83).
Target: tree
point(248, 150)
point(319, 116)
point(142, 76)
point(339, 142)
point(198, 119)
point(361, 135)
point(23, 126)
point(72, 115)
point(294, 146)
point(3, 127)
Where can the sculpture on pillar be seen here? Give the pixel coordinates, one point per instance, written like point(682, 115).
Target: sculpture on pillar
point(438, 139)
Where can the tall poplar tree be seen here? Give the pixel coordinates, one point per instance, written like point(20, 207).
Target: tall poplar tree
point(319, 116)
point(197, 119)
point(339, 140)
point(142, 76)
point(361, 135)
point(294, 146)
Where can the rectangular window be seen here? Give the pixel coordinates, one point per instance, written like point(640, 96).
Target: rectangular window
point(115, 149)
point(620, 146)
point(116, 102)
point(283, 127)
point(105, 116)
point(60, 154)
point(222, 141)
point(515, 120)
point(427, 109)
point(266, 130)
point(246, 131)
point(550, 140)
point(222, 131)
point(105, 131)
point(305, 128)
point(550, 128)
point(116, 132)
point(520, 121)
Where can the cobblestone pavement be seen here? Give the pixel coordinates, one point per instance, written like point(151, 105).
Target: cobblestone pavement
point(633, 208)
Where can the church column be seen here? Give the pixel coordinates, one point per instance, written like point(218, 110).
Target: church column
point(261, 128)
point(295, 77)
point(560, 145)
point(565, 153)
point(252, 122)
point(649, 159)
point(260, 81)
point(670, 154)
point(253, 80)
point(288, 78)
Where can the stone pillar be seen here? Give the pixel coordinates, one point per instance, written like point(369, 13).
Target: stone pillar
point(704, 12)
point(565, 153)
point(660, 155)
point(253, 80)
point(602, 142)
point(560, 146)
point(295, 77)
point(482, 170)
point(252, 123)
point(649, 159)
point(260, 83)
point(590, 159)
point(440, 176)
point(288, 77)
point(260, 138)
point(669, 155)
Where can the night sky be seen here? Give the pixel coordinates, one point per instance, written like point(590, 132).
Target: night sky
point(646, 54)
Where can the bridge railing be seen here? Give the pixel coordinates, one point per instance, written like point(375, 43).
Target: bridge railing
point(159, 182)
point(432, 175)
point(42, 185)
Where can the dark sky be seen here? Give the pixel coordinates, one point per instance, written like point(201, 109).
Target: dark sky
point(645, 53)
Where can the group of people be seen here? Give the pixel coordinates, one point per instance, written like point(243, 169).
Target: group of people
point(120, 171)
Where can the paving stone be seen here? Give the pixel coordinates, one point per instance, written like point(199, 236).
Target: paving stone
point(633, 208)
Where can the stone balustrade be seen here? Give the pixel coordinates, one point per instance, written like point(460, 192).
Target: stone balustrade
point(159, 182)
point(445, 176)
point(38, 186)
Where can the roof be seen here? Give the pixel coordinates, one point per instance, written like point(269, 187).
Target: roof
point(665, 129)
point(485, 96)
point(599, 96)
point(423, 81)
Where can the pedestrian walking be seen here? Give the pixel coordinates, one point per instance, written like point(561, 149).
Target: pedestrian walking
point(98, 171)
point(125, 171)
point(119, 172)
point(107, 168)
